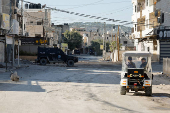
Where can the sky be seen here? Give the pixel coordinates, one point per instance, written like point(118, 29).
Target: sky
point(112, 9)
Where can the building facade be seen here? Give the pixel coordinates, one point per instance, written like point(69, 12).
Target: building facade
point(36, 20)
point(8, 12)
point(144, 31)
point(59, 33)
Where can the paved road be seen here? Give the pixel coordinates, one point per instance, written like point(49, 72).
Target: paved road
point(86, 88)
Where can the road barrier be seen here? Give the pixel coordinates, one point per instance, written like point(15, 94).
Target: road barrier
point(166, 66)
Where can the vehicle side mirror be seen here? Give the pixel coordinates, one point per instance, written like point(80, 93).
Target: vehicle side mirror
point(152, 76)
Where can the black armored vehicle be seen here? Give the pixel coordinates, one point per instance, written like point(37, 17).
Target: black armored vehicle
point(54, 55)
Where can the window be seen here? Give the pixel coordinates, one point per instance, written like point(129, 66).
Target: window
point(107, 38)
point(148, 49)
point(37, 35)
point(87, 35)
point(124, 42)
point(135, 8)
point(155, 45)
point(39, 23)
point(147, 23)
point(147, 2)
point(31, 22)
point(135, 27)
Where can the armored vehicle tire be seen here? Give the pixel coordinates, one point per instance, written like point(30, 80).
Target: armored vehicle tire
point(148, 91)
point(123, 90)
point(70, 63)
point(43, 61)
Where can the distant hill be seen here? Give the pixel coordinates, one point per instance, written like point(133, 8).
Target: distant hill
point(97, 25)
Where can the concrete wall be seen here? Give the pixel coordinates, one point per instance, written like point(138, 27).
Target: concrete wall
point(6, 6)
point(166, 66)
point(34, 29)
point(29, 48)
point(2, 52)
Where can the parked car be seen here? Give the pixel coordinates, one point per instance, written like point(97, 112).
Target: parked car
point(91, 52)
point(54, 55)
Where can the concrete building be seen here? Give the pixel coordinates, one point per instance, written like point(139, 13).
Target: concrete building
point(7, 8)
point(145, 26)
point(59, 32)
point(88, 36)
point(36, 20)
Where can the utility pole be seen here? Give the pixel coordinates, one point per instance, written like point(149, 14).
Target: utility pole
point(0, 6)
point(104, 42)
point(118, 42)
point(45, 25)
point(112, 36)
point(13, 17)
point(22, 11)
point(105, 37)
point(22, 15)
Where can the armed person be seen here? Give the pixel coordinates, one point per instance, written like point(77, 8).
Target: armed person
point(144, 63)
point(130, 63)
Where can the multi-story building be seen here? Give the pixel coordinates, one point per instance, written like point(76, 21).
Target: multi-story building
point(38, 30)
point(9, 26)
point(37, 19)
point(145, 26)
point(59, 32)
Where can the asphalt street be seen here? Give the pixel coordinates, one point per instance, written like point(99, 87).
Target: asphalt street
point(91, 86)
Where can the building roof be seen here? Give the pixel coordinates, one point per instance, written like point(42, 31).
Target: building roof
point(137, 53)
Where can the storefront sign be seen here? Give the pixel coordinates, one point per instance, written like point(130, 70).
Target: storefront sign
point(34, 41)
point(101, 47)
point(163, 34)
point(5, 23)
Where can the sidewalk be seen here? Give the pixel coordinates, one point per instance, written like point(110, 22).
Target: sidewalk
point(22, 63)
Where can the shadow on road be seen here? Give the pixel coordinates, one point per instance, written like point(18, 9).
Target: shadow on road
point(153, 94)
point(95, 73)
point(20, 87)
point(95, 98)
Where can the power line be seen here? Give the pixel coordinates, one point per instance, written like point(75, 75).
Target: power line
point(78, 14)
point(90, 16)
point(92, 4)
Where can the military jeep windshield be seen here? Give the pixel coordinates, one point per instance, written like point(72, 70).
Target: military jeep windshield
point(135, 59)
point(136, 62)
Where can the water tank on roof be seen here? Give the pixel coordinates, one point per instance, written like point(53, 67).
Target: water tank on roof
point(31, 6)
point(34, 6)
point(39, 6)
point(26, 6)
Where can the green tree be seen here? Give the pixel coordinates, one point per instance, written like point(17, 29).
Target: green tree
point(73, 38)
point(95, 44)
point(113, 46)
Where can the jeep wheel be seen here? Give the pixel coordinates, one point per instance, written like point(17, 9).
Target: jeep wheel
point(148, 91)
point(43, 61)
point(123, 90)
point(70, 63)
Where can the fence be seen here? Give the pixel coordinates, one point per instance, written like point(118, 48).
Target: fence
point(166, 66)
